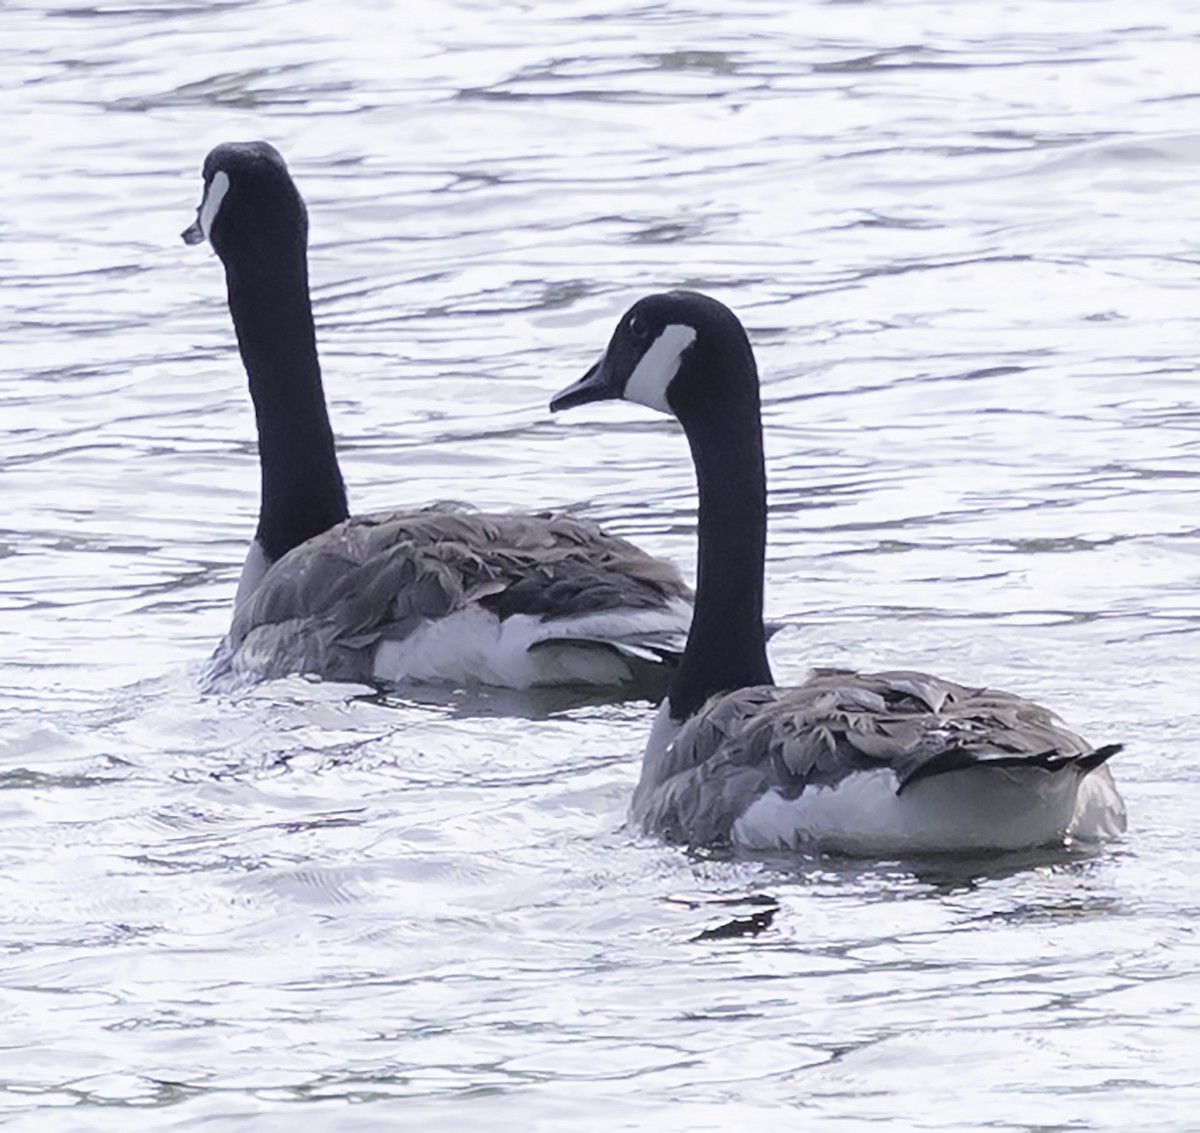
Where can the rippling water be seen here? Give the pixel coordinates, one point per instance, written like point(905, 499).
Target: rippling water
point(963, 239)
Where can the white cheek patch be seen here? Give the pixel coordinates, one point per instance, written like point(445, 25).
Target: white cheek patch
point(217, 188)
point(658, 366)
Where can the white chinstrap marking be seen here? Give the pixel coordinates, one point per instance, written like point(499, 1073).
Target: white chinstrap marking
point(648, 383)
point(213, 196)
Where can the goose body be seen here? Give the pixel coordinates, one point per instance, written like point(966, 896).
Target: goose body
point(864, 764)
point(874, 763)
point(447, 594)
point(442, 593)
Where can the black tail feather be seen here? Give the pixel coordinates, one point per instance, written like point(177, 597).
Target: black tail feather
point(962, 759)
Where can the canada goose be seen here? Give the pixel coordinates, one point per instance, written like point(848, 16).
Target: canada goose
point(442, 593)
point(880, 763)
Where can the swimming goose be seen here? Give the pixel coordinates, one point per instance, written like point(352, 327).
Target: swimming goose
point(442, 593)
point(854, 763)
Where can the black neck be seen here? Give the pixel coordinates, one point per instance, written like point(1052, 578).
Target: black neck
point(302, 489)
point(726, 647)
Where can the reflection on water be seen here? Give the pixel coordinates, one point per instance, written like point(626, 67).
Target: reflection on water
point(958, 236)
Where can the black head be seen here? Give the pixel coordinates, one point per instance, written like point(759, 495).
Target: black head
point(250, 207)
point(679, 352)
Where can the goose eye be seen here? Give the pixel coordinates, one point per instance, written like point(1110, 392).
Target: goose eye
point(639, 328)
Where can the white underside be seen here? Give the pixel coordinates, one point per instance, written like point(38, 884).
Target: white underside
point(473, 646)
point(253, 570)
point(981, 809)
point(1099, 809)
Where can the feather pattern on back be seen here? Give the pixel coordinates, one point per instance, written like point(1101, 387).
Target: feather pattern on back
point(744, 744)
point(327, 605)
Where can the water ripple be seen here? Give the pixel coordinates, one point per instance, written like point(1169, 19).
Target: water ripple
point(955, 237)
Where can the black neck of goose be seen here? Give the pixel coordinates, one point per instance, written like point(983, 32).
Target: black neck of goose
point(726, 647)
point(302, 489)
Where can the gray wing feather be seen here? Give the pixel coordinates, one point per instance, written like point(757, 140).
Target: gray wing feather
point(744, 743)
point(324, 606)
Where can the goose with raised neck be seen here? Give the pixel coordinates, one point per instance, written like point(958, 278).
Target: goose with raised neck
point(856, 763)
point(443, 593)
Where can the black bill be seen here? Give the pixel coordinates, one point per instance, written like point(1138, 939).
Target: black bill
point(597, 384)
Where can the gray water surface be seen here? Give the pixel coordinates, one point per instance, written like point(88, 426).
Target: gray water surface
point(963, 239)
